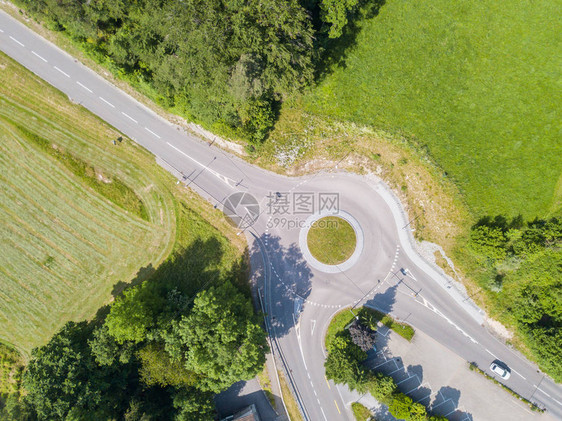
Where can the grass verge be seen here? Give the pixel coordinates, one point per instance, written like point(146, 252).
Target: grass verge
point(290, 401)
point(331, 240)
point(403, 329)
point(371, 317)
point(360, 412)
point(534, 407)
point(338, 323)
point(265, 383)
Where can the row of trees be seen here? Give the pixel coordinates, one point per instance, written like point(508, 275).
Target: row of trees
point(154, 356)
point(220, 62)
point(344, 365)
point(523, 262)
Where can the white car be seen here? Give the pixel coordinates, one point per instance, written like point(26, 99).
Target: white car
point(503, 372)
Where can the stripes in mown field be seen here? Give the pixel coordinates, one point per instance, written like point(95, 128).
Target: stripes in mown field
point(62, 242)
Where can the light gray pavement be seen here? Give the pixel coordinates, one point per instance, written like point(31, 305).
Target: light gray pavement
point(298, 298)
point(443, 384)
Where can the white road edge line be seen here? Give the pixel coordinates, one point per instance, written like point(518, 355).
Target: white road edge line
point(85, 87)
point(107, 102)
point(33, 52)
point(15, 40)
point(66, 74)
point(129, 117)
point(150, 131)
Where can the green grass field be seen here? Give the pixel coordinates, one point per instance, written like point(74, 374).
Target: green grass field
point(475, 83)
point(81, 217)
point(331, 240)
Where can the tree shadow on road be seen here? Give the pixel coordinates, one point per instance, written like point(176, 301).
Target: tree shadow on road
point(288, 280)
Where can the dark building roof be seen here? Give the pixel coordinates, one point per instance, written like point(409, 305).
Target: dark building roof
point(249, 413)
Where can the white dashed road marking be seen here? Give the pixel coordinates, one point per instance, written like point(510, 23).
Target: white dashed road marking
point(66, 74)
point(15, 40)
point(129, 117)
point(34, 53)
point(491, 354)
point(544, 392)
point(107, 102)
point(85, 87)
point(150, 131)
point(1, 31)
point(524, 378)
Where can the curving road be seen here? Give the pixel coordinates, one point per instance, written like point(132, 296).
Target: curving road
point(299, 298)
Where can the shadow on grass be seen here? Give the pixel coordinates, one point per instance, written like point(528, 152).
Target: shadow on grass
point(184, 274)
point(334, 52)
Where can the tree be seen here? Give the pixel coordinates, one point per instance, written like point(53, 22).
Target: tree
point(335, 13)
point(133, 314)
point(106, 350)
point(157, 368)
point(221, 339)
point(362, 336)
point(213, 61)
point(63, 380)
point(194, 405)
point(418, 412)
point(401, 406)
point(489, 241)
point(343, 364)
point(381, 386)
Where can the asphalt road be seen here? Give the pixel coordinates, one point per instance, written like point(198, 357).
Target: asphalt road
point(298, 298)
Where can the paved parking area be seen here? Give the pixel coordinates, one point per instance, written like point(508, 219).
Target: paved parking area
point(436, 377)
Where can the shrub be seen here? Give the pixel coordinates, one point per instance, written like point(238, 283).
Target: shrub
point(381, 386)
point(343, 364)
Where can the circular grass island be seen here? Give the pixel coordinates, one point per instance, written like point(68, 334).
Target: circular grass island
point(331, 240)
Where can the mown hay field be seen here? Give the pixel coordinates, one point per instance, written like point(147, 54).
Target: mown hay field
point(68, 237)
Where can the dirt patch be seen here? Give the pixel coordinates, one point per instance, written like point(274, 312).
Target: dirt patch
point(308, 143)
point(217, 140)
point(498, 329)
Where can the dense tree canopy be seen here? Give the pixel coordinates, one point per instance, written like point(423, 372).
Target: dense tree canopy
point(224, 63)
point(343, 364)
point(63, 380)
point(524, 268)
point(220, 339)
point(219, 61)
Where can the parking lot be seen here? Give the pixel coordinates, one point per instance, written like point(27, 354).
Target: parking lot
point(436, 377)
